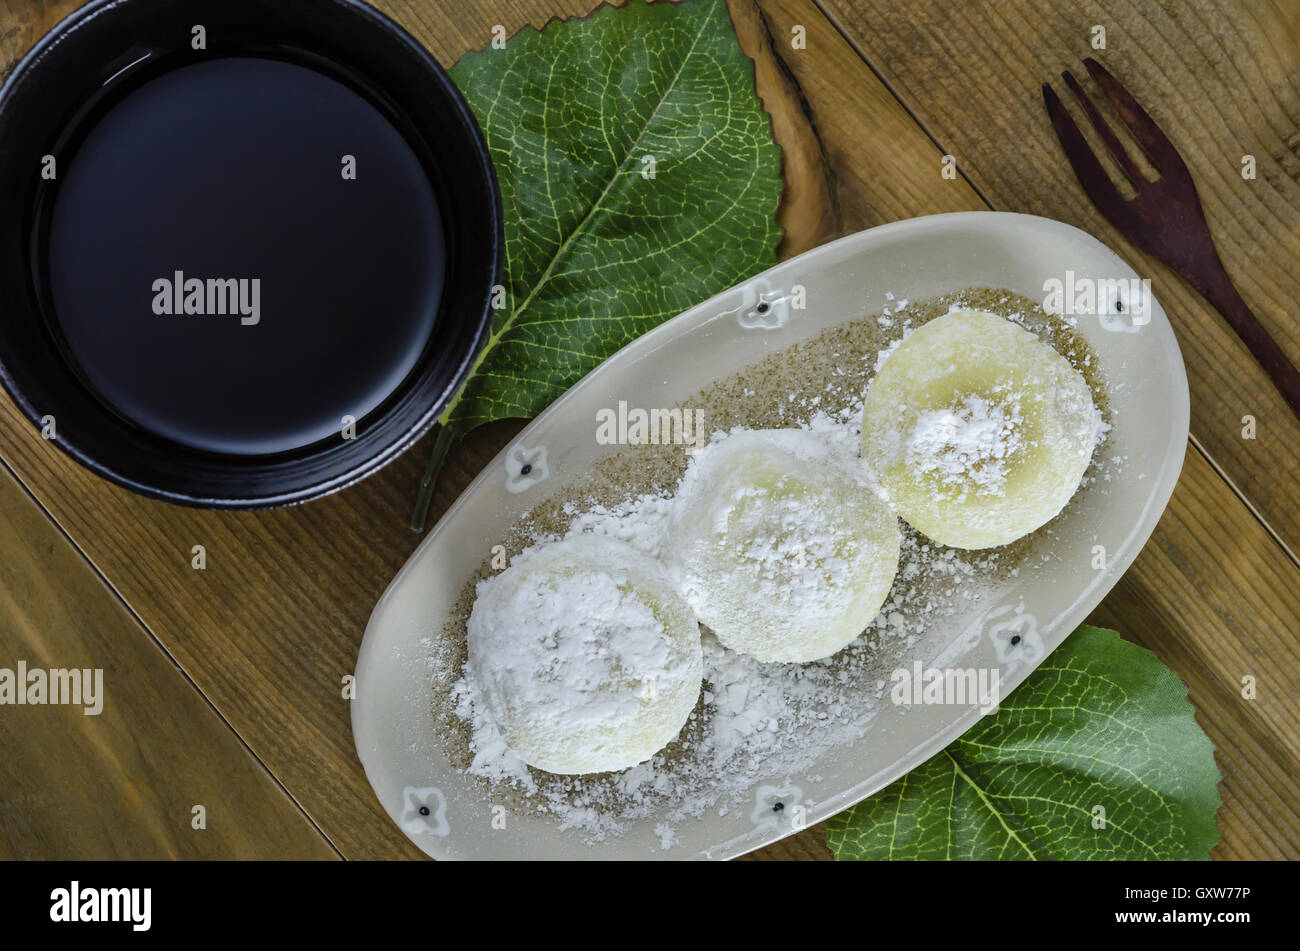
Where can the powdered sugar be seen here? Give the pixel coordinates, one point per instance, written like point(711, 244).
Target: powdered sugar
point(780, 545)
point(969, 445)
point(639, 521)
point(584, 655)
point(754, 719)
point(756, 722)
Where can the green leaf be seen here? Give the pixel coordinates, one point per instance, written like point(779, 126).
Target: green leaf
point(638, 178)
point(1100, 723)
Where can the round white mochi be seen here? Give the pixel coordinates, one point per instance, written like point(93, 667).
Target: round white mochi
point(586, 656)
point(977, 431)
point(780, 546)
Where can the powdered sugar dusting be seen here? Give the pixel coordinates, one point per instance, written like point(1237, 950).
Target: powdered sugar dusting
point(585, 655)
point(761, 722)
point(969, 445)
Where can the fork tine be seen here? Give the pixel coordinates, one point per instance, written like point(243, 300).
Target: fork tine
point(1154, 142)
point(1096, 183)
point(1112, 142)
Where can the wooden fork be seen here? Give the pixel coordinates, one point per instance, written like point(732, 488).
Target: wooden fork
point(1165, 217)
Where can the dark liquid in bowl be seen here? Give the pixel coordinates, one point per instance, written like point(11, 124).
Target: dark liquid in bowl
point(230, 172)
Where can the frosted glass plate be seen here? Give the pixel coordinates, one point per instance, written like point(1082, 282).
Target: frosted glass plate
point(1012, 629)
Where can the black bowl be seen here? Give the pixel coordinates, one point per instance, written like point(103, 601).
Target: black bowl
point(88, 65)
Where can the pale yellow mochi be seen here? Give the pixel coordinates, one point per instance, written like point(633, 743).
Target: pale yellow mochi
point(977, 431)
point(779, 544)
point(585, 655)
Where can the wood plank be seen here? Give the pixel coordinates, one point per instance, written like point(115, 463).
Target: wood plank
point(1223, 80)
point(275, 621)
point(120, 784)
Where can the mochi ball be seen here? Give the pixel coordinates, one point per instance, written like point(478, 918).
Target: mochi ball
point(585, 655)
point(977, 431)
point(780, 545)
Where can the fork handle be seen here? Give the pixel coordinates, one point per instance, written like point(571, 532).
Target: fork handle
point(1216, 286)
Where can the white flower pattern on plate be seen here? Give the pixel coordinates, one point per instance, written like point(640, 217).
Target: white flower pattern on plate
point(777, 807)
point(1016, 639)
point(525, 468)
point(763, 307)
point(424, 810)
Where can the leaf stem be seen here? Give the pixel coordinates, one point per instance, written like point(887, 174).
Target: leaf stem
point(424, 499)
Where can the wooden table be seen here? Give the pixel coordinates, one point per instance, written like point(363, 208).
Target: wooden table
point(224, 685)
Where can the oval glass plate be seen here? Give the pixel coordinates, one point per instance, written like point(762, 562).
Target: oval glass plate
point(1012, 627)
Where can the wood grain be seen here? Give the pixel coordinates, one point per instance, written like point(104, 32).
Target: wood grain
point(120, 784)
point(860, 158)
point(268, 630)
point(22, 23)
point(806, 846)
point(1223, 80)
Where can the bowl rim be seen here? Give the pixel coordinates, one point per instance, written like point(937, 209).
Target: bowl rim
point(311, 485)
